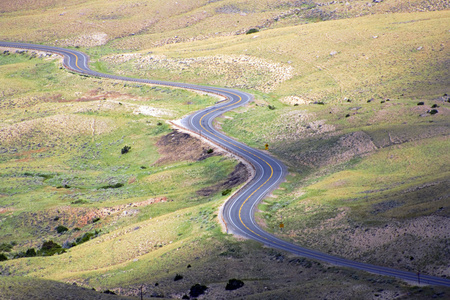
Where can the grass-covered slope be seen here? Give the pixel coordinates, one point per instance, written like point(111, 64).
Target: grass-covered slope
point(358, 109)
point(368, 165)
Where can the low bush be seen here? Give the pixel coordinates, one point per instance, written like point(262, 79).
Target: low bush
point(125, 149)
point(112, 186)
point(197, 290)
point(5, 247)
point(252, 30)
point(50, 248)
point(234, 284)
point(210, 151)
point(3, 257)
point(178, 277)
point(79, 201)
point(61, 229)
point(226, 192)
point(86, 237)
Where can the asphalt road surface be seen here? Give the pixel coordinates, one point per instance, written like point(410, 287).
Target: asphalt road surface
point(238, 212)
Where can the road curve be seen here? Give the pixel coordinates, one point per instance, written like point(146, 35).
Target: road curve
point(238, 212)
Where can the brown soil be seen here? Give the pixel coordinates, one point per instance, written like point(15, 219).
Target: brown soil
point(237, 177)
point(179, 146)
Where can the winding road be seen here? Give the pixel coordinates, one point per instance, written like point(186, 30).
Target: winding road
point(238, 212)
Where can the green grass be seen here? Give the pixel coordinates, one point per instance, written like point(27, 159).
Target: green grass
point(73, 128)
point(67, 149)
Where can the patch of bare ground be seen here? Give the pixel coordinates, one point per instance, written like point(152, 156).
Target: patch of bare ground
point(239, 175)
point(180, 146)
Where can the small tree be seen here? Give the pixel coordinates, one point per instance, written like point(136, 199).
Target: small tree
point(178, 277)
point(252, 30)
point(234, 284)
point(226, 192)
point(125, 149)
point(197, 290)
point(30, 253)
point(61, 229)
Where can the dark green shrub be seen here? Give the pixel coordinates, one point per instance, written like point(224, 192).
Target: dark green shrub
point(6, 247)
point(433, 111)
point(271, 107)
point(210, 151)
point(234, 284)
point(226, 192)
point(112, 186)
point(95, 220)
point(79, 201)
point(65, 186)
point(178, 277)
point(125, 149)
point(61, 229)
point(29, 253)
point(50, 248)
point(197, 290)
point(3, 257)
point(86, 237)
point(252, 30)
point(421, 103)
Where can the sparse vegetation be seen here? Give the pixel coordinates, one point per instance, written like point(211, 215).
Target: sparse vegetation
point(356, 166)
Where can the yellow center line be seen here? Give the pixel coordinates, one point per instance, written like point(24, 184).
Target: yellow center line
point(271, 169)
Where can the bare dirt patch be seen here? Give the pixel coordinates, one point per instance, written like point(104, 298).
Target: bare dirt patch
point(180, 146)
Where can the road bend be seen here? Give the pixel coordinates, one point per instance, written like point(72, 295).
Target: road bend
point(239, 211)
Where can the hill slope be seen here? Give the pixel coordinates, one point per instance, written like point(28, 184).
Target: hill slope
point(368, 165)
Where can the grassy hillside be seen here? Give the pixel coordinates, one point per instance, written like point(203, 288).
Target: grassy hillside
point(368, 171)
